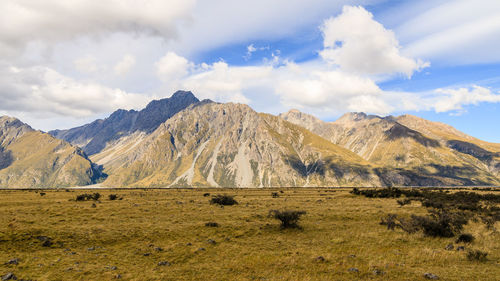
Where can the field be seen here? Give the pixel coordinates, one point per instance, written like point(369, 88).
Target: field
point(161, 235)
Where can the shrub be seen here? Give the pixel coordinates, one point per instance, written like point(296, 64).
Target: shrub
point(390, 221)
point(212, 224)
point(389, 192)
point(42, 193)
point(404, 202)
point(476, 255)
point(275, 194)
point(206, 194)
point(223, 200)
point(289, 219)
point(465, 238)
point(114, 197)
point(88, 197)
point(438, 224)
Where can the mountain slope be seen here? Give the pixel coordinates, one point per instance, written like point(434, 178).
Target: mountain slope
point(93, 137)
point(405, 146)
point(30, 158)
point(230, 145)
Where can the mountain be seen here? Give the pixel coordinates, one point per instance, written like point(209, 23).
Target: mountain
point(231, 145)
point(30, 158)
point(181, 142)
point(93, 137)
point(419, 151)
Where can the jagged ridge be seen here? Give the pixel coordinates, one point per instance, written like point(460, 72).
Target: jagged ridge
point(93, 137)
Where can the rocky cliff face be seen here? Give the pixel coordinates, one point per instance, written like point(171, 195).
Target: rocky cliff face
point(230, 145)
point(93, 137)
point(409, 150)
point(30, 158)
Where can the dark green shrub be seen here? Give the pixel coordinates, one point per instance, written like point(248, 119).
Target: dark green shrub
point(212, 224)
point(223, 200)
point(275, 194)
point(288, 218)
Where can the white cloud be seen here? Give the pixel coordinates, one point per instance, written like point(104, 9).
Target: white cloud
point(86, 64)
point(45, 92)
point(453, 32)
point(23, 21)
point(357, 43)
point(172, 67)
point(124, 65)
point(333, 91)
point(252, 49)
point(244, 21)
point(455, 99)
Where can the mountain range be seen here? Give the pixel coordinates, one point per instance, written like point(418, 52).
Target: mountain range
point(184, 142)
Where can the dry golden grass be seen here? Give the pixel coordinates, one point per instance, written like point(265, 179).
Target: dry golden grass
point(342, 228)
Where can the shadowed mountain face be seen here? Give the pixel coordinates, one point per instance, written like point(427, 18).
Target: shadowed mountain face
point(93, 137)
point(30, 158)
point(409, 150)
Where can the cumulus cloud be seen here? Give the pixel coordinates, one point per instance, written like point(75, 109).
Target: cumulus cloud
point(333, 91)
point(221, 82)
point(455, 99)
point(357, 43)
point(23, 21)
point(124, 65)
point(172, 67)
point(44, 91)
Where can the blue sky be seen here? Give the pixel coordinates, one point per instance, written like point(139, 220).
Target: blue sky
point(65, 63)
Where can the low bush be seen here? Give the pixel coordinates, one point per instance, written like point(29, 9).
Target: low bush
point(88, 197)
point(438, 224)
point(223, 200)
point(404, 202)
point(114, 197)
point(275, 194)
point(477, 255)
point(449, 211)
point(288, 218)
point(212, 224)
point(465, 238)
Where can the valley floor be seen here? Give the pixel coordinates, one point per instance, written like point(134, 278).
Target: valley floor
point(161, 235)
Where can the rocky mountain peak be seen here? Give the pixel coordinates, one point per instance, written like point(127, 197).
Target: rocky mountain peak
point(11, 128)
point(183, 94)
point(353, 116)
point(95, 136)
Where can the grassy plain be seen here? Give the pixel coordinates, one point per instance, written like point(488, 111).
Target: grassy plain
point(121, 238)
